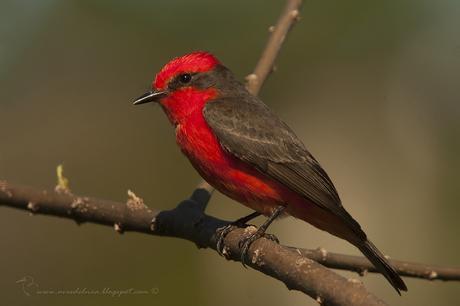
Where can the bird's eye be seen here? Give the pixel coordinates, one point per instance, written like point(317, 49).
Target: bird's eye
point(185, 78)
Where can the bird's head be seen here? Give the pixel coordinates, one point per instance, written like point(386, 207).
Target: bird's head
point(186, 83)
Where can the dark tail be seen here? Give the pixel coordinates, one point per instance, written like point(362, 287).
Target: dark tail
point(382, 264)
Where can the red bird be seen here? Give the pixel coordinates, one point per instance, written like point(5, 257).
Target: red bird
point(239, 146)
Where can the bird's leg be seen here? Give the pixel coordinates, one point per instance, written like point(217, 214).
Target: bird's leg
point(223, 231)
point(246, 242)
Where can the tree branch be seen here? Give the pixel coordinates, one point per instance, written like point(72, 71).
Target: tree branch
point(279, 32)
point(187, 221)
point(361, 265)
point(135, 216)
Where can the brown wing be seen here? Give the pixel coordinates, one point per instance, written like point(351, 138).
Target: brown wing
point(246, 128)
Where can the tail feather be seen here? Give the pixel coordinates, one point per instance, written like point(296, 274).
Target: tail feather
point(382, 264)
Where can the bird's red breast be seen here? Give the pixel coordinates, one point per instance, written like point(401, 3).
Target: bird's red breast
point(226, 173)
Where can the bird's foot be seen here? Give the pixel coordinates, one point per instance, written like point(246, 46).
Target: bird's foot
point(223, 231)
point(246, 242)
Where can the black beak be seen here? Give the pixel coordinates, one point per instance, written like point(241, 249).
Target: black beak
point(151, 96)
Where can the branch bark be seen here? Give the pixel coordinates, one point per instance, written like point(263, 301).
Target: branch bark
point(297, 268)
point(188, 221)
point(136, 217)
point(279, 32)
point(362, 266)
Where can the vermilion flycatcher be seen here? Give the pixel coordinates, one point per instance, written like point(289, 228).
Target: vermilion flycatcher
point(244, 150)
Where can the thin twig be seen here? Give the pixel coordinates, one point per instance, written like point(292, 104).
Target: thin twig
point(278, 35)
point(361, 265)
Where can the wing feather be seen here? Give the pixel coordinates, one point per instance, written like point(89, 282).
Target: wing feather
point(246, 128)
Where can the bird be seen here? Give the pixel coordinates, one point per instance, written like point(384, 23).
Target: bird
point(244, 150)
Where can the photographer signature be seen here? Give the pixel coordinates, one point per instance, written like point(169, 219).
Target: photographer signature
point(28, 284)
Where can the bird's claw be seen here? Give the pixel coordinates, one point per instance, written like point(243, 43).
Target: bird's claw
point(246, 242)
point(223, 231)
point(221, 234)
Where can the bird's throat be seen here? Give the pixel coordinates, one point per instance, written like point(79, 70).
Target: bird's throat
point(185, 103)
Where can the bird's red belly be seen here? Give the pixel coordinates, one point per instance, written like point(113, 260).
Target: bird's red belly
point(225, 172)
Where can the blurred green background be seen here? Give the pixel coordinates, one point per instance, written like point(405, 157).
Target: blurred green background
point(371, 87)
